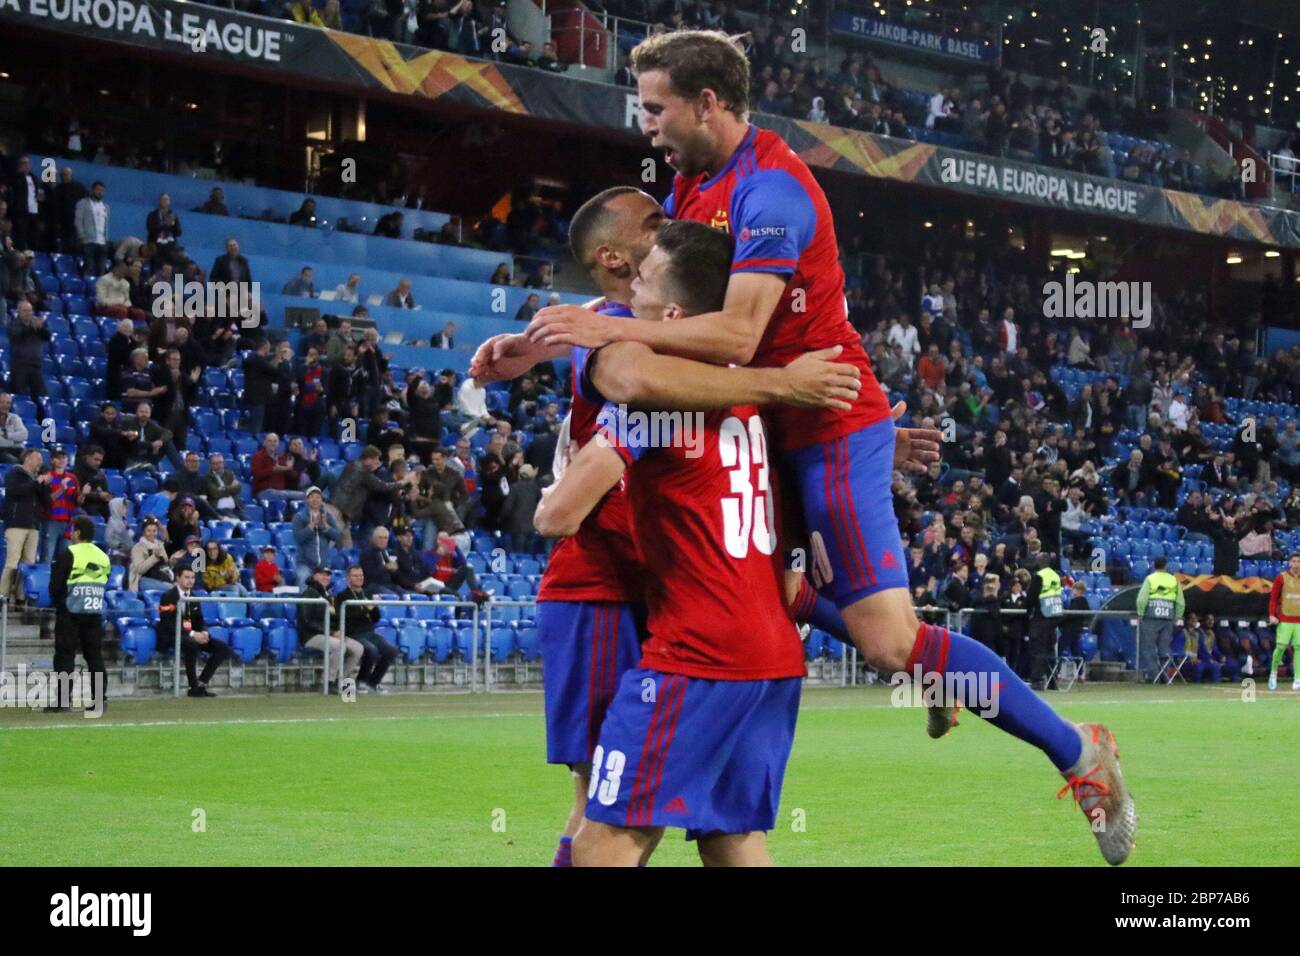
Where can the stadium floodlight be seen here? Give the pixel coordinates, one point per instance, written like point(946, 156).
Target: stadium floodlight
point(1272, 254)
point(1062, 252)
point(1078, 255)
point(1234, 259)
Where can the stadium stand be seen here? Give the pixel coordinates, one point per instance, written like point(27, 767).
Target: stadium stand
point(1197, 394)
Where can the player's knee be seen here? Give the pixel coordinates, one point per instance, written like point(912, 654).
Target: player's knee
point(586, 847)
point(711, 854)
point(884, 630)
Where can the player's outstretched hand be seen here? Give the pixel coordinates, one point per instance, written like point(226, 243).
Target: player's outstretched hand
point(815, 380)
point(571, 325)
point(503, 357)
point(914, 448)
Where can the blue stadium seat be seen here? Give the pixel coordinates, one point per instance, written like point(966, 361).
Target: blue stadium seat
point(528, 642)
point(231, 613)
point(441, 641)
point(502, 642)
point(139, 645)
point(410, 641)
point(528, 566)
point(427, 611)
point(245, 643)
point(36, 582)
point(505, 614)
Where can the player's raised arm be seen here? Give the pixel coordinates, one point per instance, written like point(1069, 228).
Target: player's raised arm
point(728, 336)
point(631, 373)
point(588, 477)
point(509, 355)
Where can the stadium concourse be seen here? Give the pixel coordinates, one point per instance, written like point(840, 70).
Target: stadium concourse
point(1079, 438)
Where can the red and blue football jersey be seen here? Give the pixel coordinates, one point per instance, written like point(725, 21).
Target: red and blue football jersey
point(600, 562)
point(703, 511)
point(767, 198)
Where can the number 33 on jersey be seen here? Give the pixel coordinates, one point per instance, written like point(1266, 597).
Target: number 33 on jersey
point(705, 522)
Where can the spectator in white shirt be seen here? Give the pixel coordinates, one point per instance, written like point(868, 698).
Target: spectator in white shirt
point(349, 291)
point(471, 402)
point(91, 222)
point(1008, 332)
point(903, 334)
point(13, 433)
point(1178, 413)
point(940, 109)
point(112, 290)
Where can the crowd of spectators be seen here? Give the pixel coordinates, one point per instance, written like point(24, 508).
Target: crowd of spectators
point(1035, 465)
point(958, 331)
point(433, 465)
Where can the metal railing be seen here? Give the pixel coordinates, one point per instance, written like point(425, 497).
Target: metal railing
point(402, 602)
point(481, 618)
point(1284, 169)
point(232, 599)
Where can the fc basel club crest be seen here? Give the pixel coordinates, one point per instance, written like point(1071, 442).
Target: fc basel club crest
point(719, 221)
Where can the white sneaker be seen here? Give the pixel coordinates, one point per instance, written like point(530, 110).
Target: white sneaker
point(1272, 682)
point(381, 690)
point(1295, 684)
point(1098, 787)
point(363, 688)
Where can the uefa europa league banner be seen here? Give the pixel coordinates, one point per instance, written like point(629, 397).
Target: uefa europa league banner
point(280, 47)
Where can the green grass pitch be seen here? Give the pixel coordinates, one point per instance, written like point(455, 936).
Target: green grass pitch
point(420, 779)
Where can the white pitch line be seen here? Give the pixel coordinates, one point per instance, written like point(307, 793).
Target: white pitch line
point(97, 723)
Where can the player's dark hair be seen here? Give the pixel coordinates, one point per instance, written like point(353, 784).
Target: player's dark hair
point(697, 60)
point(1159, 563)
point(590, 223)
point(699, 264)
point(84, 527)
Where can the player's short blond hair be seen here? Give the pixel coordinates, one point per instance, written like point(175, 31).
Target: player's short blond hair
point(698, 60)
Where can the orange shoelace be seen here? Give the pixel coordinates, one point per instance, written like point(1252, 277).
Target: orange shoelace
point(1076, 785)
point(1100, 788)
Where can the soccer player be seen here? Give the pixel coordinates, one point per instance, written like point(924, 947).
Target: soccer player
point(699, 733)
point(1284, 611)
point(588, 603)
point(786, 296)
